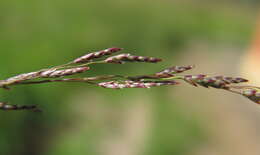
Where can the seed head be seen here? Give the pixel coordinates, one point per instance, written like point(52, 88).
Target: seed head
point(94, 55)
point(135, 84)
point(121, 58)
point(214, 81)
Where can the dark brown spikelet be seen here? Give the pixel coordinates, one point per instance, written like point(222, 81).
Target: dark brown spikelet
point(121, 58)
point(173, 70)
point(64, 72)
point(135, 84)
point(8, 107)
point(94, 55)
point(253, 94)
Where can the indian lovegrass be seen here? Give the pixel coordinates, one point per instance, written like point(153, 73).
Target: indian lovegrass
point(168, 76)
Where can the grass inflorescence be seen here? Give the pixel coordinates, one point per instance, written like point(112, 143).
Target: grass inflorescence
point(168, 76)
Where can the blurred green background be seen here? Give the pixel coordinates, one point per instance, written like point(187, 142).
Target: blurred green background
point(81, 119)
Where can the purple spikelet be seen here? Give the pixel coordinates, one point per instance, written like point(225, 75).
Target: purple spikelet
point(173, 70)
point(253, 94)
point(214, 81)
point(64, 72)
point(94, 55)
point(121, 58)
point(135, 84)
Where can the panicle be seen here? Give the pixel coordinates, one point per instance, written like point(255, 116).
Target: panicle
point(135, 84)
point(65, 72)
point(121, 58)
point(94, 55)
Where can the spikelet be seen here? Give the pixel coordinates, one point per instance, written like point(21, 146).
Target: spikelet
point(65, 72)
point(121, 58)
point(234, 80)
point(135, 84)
point(94, 55)
point(23, 77)
point(214, 81)
point(253, 94)
point(173, 70)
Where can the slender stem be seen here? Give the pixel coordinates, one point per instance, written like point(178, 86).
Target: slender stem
point(56, 80)
point(175, 77)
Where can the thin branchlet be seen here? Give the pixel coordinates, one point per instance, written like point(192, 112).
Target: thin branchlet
point(168, 76)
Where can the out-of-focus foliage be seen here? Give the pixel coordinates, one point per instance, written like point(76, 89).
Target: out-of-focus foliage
point(37, 34)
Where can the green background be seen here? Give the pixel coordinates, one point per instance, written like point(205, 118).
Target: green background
point(77, 118)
